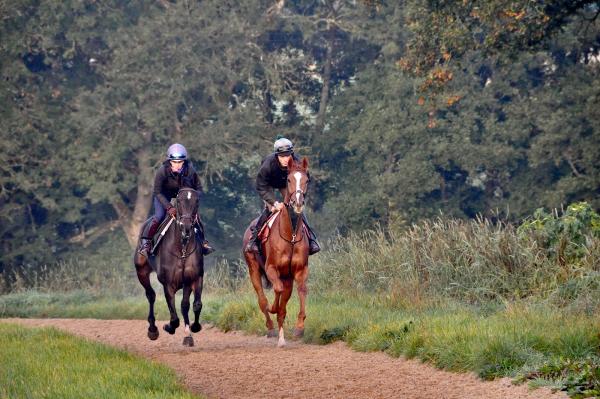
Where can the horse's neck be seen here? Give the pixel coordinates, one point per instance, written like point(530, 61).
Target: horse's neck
point(286, 227)
point(174, 235)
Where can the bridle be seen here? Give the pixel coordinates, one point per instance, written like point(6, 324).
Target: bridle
point(292, 198)
point(184, 239)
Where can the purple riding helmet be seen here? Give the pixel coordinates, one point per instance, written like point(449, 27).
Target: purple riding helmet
point(176, 152)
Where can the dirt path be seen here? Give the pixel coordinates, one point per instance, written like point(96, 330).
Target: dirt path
point(234, 365)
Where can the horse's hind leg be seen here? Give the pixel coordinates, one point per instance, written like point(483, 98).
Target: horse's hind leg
point(143, 271)
point(301, 278)
point(263, 303)
point(174, 323)
point(185, 309)
point(283, 300)
point(197, 287)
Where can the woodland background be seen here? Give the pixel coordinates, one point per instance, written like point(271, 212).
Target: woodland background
point(406, 110)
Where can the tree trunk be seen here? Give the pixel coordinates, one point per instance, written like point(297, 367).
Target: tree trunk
point(320, 122)
point(131, 221)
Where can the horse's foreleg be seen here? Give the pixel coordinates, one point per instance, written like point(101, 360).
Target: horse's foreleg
point(301, 278)
point(284, 298)
point(273, 276)
point(170, 297)
point(185, 305)
point(143, 273)
point(185, 310)
point(197, 287)
point(263, 303)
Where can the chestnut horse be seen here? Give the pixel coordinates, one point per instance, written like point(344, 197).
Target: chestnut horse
point(178, 264)
point(285, 255)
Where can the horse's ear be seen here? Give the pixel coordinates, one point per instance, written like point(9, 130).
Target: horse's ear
point(291, 164)
point(305, 163)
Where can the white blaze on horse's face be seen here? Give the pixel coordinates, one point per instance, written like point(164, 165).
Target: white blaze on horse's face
point(189, 195)
point(298, 177)
point(297, 198)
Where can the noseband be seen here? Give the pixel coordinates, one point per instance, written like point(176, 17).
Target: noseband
point(192, 217)
point(292, 200)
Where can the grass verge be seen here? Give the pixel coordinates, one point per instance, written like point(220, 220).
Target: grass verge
point(47, 363)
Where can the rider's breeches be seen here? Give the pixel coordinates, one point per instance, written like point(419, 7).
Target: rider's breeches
point(159, 210)
point(152, 226)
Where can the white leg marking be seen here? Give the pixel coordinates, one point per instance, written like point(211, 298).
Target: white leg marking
point(281, 341)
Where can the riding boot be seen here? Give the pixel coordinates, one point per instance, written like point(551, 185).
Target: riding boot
point(206, 248)
point(314, 246)
point(147, 235)
point(254, 242)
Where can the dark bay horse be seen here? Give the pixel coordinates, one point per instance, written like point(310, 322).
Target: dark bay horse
point(285, 255)
point(178, 264)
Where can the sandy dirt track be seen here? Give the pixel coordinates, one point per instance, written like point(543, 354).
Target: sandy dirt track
point(235, 365)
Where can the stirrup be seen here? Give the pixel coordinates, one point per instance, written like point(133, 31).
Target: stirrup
point(206, 248)
point(145, 247)
point(313, 247)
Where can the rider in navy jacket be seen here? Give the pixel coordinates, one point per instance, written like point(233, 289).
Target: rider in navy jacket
point(174, 174)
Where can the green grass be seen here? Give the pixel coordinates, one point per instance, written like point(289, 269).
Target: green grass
point(47, 363)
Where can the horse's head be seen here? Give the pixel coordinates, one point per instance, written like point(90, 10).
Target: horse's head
point(187, 209)
point(297, 183)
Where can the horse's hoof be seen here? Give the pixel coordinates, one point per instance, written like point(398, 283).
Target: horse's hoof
point(298, 332)
point(272, 333)
point(169, 329)
point(153, 333)
point(188, 341)
point(196, 327)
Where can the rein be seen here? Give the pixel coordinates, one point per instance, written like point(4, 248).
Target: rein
point(193, 217)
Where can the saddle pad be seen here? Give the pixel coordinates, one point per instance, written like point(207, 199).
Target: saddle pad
point(263, 234)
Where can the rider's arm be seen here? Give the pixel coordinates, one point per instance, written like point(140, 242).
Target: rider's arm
point(262, 185)
point(158, 183)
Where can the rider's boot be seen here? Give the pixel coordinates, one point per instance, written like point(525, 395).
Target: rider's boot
point(206, 248)
point(253, 243)
point(314, 246)
point(147, 235)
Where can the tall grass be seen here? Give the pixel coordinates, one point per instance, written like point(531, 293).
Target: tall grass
point(474, 262)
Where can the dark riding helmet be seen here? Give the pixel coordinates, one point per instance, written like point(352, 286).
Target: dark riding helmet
point(176, 152)
point(283, 146)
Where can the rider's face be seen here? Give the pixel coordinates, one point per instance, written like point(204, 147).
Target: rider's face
point(176, 166)
point(284, 160)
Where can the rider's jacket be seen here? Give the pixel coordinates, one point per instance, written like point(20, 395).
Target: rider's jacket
point(270, 176)
point(167, 183)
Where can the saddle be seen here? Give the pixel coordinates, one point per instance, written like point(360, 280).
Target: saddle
point(265, 231)
point(160, 233)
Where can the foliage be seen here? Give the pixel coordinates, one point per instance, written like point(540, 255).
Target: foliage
point(93, 92)
point(579, 378)
point(567, 237)
point(446, 30)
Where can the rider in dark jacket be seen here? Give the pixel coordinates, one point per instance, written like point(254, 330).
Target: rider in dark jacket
point(273, 175)
point(175, 173)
